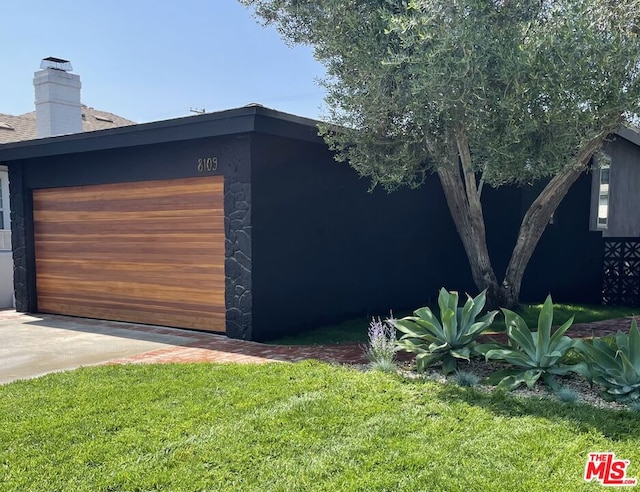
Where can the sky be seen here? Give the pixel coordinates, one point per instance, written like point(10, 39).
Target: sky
point(149, 60)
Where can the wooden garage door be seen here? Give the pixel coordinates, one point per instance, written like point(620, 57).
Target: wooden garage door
point(148, 252)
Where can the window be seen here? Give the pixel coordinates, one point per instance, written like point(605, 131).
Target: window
point(603, 197)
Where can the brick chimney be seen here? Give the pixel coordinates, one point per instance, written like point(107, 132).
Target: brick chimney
point(58, 107)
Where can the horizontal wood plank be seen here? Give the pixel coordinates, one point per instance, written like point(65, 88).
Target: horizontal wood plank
point(147, 252)
point(124, 191)
point(206, 322)
point(163, 308)
point(58, 266)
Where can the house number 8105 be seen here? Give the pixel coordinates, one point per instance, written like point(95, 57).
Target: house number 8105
point(208, 164)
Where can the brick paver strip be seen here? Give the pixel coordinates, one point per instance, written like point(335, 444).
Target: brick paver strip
point(208, 347)
point(582, 330)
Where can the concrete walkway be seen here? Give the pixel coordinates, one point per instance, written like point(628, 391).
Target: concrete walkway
point(33, 345)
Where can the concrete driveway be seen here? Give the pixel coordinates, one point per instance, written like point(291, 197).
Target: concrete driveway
point(35, 345)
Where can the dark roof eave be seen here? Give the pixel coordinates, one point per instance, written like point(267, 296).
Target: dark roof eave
point(628, 134)
point(229, 122)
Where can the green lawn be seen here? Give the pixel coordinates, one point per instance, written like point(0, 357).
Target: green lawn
point(289, 427)
point(355, 330)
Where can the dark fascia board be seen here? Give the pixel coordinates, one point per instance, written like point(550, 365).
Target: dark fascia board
point(253, 118)
point(628, 134)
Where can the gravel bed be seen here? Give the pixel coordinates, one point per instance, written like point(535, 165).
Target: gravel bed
point(585, 393)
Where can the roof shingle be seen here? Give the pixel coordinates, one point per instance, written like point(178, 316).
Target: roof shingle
point(23, 127)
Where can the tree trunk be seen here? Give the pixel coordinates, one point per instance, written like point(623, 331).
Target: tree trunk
point(463, 198)
point(461, 192)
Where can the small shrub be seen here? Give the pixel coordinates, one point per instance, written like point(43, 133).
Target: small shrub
point(534, 354)
point(382, 348)
point(466, 379)
point(567, 395)
point(448, 339)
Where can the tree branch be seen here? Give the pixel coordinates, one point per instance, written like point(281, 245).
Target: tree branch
point(481, 185)
point(464, 153)
point(471, 189)
point(539, 213)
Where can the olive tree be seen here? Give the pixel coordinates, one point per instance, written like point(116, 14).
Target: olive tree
point(480, 92)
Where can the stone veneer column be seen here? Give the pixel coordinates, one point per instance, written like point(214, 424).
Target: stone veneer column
point(237, 225)
point(18, 239)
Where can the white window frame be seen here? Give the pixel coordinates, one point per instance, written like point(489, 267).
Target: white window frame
point(602, 215)
point(5, 230)
point(4, 200)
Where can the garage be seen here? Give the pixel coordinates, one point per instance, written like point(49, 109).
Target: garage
point(146, 252)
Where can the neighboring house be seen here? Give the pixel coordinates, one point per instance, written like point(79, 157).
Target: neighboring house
point(615, 202)
point(615, 212)
point(23, 127)
point(58, 111)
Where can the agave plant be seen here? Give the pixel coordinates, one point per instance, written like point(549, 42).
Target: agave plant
point(534, 354)
point(448, 339)
point(615, 366)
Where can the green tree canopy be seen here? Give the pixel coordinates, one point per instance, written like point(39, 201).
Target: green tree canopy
point(481, 91)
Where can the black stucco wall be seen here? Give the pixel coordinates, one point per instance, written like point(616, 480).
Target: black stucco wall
point(502, 208)
point(326, 249)
point(568, 260)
